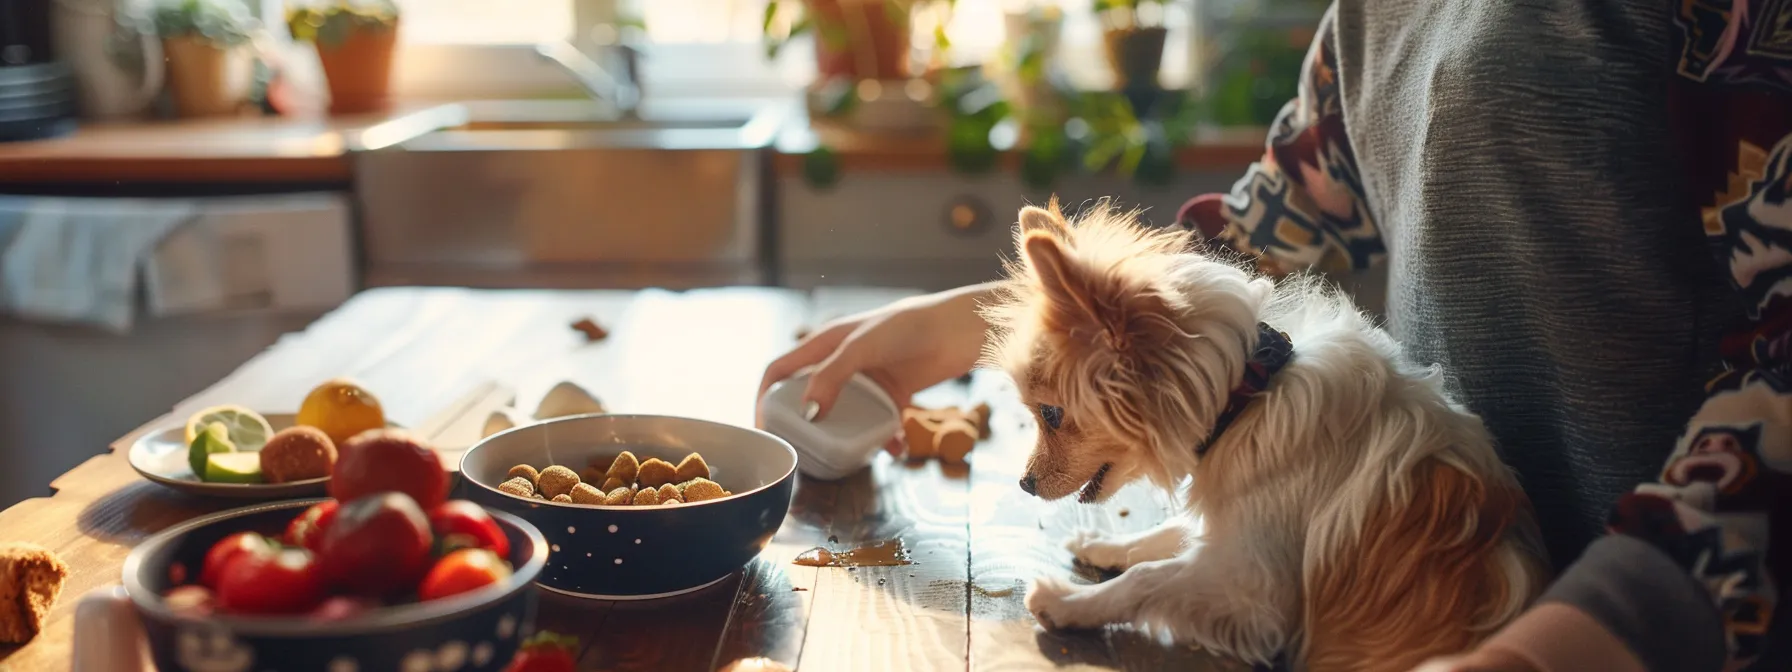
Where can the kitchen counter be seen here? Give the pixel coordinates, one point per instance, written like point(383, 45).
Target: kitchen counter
point(247, 150)
point(229, 149)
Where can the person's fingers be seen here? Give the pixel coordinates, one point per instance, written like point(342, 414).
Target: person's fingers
point(828, 377)
point(811, 350)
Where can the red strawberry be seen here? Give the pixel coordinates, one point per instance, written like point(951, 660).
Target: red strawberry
point(546, 652)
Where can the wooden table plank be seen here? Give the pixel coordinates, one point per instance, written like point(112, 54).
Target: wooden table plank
point(905, 617)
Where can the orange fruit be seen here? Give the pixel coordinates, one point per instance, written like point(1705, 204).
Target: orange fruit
point(341, 409)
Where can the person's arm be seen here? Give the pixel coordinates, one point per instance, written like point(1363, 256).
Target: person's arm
point(1300, 206)
point(1685, 580)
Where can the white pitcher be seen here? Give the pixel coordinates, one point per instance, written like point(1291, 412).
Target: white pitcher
point(112, 48)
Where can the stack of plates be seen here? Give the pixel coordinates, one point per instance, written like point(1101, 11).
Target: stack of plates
point(36, 101)
point(862, 419)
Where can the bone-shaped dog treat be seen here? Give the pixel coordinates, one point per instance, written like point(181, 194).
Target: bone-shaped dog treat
point(946, 433)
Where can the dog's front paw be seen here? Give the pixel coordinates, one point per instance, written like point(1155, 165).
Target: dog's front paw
point(1095, 550)
point(1054, 603)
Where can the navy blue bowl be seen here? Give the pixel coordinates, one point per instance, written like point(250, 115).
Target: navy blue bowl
point(642, 552)
point(479, 630)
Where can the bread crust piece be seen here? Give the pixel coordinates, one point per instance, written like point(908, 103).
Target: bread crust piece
point(31, 578)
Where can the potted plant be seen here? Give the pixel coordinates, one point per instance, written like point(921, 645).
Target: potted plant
point(1134, 33)
point(854, 39)
point(208, 70)
point(355, 45)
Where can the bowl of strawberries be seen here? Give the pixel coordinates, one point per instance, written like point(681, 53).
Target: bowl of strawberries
point(388, 574)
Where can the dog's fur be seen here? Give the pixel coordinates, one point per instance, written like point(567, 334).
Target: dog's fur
point(1352, 517)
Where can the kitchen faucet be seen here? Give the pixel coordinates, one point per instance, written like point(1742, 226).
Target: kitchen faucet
point(602, 85)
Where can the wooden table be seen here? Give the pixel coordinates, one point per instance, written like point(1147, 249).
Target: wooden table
point(441, 359)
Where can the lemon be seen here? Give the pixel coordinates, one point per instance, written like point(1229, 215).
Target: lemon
point(341, 409)
point(215, 438)
point(247, 430)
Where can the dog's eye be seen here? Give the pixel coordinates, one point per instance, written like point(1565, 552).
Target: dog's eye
point(1052, 415)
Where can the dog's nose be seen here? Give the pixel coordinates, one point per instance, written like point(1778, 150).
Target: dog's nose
point(1028, 484)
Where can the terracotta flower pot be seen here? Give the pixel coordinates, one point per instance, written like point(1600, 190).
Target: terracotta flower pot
point(1136, 55)
point(204, 78)
point(359, 69)
point(860, 39)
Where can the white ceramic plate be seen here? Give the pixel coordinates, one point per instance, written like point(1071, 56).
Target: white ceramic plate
point(161, 456)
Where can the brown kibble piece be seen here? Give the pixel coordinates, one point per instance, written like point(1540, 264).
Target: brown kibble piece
point(612, 484)
point(954, 440)
point(524, 471)
point(671, 502)
point(591, 329)
point(585, 493)
point(31, 578)
point(670, 491)
point(656, 472)
point(647, 497)
point(556, 480)
point(619, 497)
point(517, 486)
point(538, 496)
point(701, 489)
point(297, 454)
point(692, 466)
point(563, 499)
point(592, 474)
point(623, 468)
point(918, 428)
point(982, 417)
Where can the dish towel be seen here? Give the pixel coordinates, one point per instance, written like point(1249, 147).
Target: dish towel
point(79, 260)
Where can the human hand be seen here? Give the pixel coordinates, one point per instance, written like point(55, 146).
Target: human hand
point(905, 347)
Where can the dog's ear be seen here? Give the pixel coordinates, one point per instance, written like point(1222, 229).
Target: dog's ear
point(1043, 220)
point(1088, 304)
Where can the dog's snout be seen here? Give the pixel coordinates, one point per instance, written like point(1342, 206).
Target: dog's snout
point(1029, 484)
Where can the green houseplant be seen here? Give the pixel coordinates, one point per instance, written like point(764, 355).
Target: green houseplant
point(1134, 34)
point(355, 44)
point(203, 40)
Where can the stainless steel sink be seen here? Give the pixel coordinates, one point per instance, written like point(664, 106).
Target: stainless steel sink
point(567, 193)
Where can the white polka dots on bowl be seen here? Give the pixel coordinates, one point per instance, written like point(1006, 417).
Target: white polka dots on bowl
point(506, 626)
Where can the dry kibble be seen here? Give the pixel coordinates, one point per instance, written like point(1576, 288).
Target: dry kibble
point(563, 499)
point(647, 497)
point(656, 472)
point(701, 489)
point(517, 486)
point(982, 415)
point(585, 493)
point(593, 474)
point(538, 496)
point(624, 468)
point(524, 471)
point(954, 440)
point(670, 491)
point(591, 329)
point(556, 480)
point(619, 497)
point(692, 466)
point(671, 502)
point(612, 484)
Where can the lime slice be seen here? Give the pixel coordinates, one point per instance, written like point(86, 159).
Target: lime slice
point(247, 429)
point(233, 468)
point(215, 438)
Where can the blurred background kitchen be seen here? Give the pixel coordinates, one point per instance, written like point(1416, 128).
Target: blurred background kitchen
point(183, 181)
